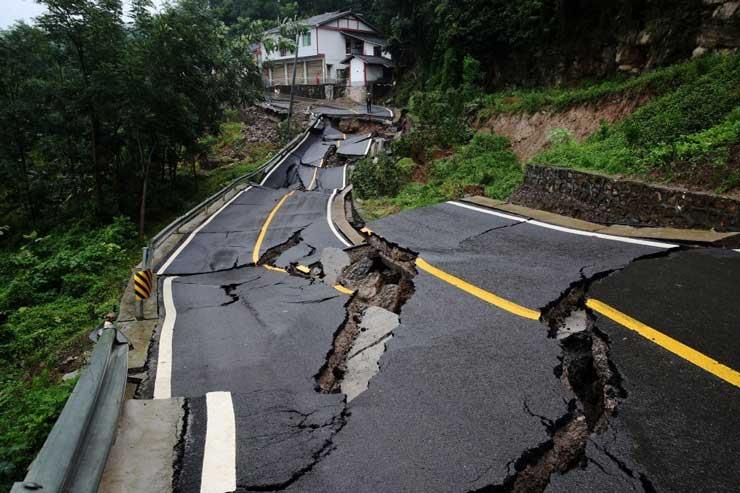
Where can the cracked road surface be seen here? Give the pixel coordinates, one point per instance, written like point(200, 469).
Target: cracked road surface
point(491, 371)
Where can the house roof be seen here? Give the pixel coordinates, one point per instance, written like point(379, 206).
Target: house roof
point(371, 60)
point(321, 19)
point(375, 40)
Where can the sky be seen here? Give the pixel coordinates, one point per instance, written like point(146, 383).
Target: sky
point(14, 10)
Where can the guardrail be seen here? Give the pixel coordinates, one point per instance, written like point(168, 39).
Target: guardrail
point(175, 225)
point(74, 455)
point(75, 452)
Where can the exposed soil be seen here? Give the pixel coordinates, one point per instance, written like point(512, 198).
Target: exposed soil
point(530, 133)
point(360, 126)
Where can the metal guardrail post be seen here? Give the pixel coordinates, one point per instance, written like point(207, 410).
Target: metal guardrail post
point(145, 263)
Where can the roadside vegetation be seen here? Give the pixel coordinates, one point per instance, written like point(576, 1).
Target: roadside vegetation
point(689, 134)
point(654, 83)
point(56, 286)
point(442, 158)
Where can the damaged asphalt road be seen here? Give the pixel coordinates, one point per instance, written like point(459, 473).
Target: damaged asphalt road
point(376, 369)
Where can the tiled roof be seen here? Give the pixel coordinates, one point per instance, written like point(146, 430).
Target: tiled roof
point(318, 20)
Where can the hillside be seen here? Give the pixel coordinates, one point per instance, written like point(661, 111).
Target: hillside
point(675, 125)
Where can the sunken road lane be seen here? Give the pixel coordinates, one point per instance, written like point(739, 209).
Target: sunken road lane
point(524, 359)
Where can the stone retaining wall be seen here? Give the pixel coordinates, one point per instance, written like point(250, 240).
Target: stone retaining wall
point(606, 200)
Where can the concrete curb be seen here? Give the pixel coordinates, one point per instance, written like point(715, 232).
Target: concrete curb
point(699, 236)
point(339, 215)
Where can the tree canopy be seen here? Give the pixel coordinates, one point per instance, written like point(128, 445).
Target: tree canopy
point(97, 110)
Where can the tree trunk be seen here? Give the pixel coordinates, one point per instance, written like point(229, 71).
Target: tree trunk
point(195, 176)
point(94, 129)
point(292, 91)
point(145, 165)
point(30, 203)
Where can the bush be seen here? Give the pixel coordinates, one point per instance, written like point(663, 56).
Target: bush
point(473, 78)
point(440, 116)
point(486, 161)
point(53, 290)
point(379, 176)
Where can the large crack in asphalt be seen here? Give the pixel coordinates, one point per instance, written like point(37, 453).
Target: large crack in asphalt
point(178, 454)
point(381, 275)
point(336, 423)
point(586, 369)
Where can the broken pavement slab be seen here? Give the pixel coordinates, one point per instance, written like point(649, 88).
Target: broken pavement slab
point(362, 360)
point(333, 261)
point(665, 234)
point(144, 453)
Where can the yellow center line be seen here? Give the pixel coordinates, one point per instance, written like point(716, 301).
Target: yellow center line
point(315, 173)
point(678, 348)
point(263, 232)
point(482, 294)
point(261, 239)
point(344, 290)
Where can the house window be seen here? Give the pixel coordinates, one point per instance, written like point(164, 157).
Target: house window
point(377, 51)
point(353, 46)
point(283, 51)
point(307, 39)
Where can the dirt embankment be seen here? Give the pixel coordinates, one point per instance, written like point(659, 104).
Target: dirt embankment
point(530, 133)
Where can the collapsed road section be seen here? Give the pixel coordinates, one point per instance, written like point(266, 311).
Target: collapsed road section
point(456, 350)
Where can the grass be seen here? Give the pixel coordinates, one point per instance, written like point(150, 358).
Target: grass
point(56, 287)
point(484, 166)
point(688, 135)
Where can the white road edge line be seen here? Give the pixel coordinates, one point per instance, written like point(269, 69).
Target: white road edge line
point(344, 177)
point(196, 231)
point(369, 143)
point(488, 211)
point(533, 222)
point(268, 175)
point(219, 454)
point(163, 379)
point(331, 223)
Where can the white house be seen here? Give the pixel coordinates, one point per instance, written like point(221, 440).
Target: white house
point(339, 48)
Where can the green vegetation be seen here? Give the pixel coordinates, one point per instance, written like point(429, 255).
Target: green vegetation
point(56, 287)
point(652, 83)
point(688, 134)
point(97, 113)
point(486, 165)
